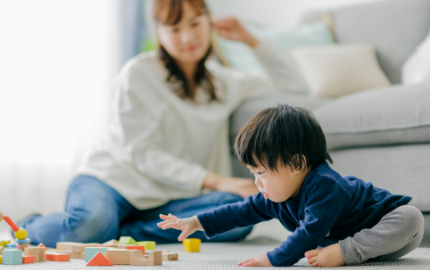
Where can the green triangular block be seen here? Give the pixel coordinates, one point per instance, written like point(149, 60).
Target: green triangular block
point(127, 240)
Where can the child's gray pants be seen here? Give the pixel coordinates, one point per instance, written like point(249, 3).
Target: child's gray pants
point(396, 234)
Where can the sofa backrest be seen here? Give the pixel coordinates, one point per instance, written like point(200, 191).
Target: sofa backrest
point(394, 27)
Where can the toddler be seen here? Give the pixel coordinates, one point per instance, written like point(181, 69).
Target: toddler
point(334, 220)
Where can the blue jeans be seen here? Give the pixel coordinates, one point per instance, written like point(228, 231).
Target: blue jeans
point(96, 213)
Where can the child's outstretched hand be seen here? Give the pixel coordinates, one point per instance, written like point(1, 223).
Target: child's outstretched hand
point(186, 225)
point(259, 260)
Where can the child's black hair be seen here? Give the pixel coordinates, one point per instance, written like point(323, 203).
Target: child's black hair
point(286, 133)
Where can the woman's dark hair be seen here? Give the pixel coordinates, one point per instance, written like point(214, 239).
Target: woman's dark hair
point(202, 76)
point(282, 133)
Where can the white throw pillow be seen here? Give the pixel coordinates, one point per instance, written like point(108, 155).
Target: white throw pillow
point(339, 69)
point(417, 67)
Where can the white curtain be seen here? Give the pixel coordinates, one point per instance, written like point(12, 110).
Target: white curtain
point(57, 62)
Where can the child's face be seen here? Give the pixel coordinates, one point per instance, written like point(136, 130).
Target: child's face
point(281, 185)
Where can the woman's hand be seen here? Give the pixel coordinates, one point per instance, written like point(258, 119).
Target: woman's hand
point(186, 225)
point(231, 28)
point(239, 186)
point(256, 261)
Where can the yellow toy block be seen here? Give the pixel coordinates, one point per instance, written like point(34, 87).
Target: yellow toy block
point(149, 245)
point(192, 245)
point(1, 259)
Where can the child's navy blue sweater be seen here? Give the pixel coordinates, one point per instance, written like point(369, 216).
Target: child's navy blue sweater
point(328, 208)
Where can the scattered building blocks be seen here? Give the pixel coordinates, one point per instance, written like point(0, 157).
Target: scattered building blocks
point(167, 256)
point(12, 256)
point(37, 252)
point(99, 260)
point(42, 245)
point(27, 259)
point(192, 244)
point(154, 258)
point(127, 240)
point(57, 257)
point(90, 252)
point(136, 247)
point(118, 256)
point(149, 245)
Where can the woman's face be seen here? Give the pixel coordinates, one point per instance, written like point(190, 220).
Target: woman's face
point(188, 40)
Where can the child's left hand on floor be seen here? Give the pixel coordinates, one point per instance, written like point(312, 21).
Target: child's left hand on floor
point(259, 260)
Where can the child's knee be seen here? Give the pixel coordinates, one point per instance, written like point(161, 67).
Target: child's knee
point(412, 219)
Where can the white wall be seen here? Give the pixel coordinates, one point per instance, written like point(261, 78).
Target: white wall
point(281, 13)
point(57, 59)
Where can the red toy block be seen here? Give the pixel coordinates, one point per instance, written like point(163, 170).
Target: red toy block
point(99, 260)
point(57, 257)
point(136, 247)
point(11, 223)
point(27, 259)
point(42, 245)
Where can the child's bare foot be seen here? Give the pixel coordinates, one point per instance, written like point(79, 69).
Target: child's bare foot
point(330, 256)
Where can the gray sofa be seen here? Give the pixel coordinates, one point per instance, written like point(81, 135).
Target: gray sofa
point(380, 135)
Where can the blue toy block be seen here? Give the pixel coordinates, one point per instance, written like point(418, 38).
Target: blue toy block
point(11, 245)
point(25, 241)
point(12, 256)
point(90, 252)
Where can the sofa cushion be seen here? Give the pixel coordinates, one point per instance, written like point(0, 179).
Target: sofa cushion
point(391, 115)
point(394, 27)
point(401, 169)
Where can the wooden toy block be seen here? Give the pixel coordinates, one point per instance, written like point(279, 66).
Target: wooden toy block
point(37, 252)
point(83, 256)
point(66, 245)
point(136, 247)
point(149, 245)
point(57, 257)
point(1, 216)
point(110, 243)
point(42, 245)
point(73, 255)
point(22, 246)
point(27, 259)
point(99, 260)
point(170, 256)
point(118, 256)
point(154, 258)
point(11, 223)
point(127, 240)
point(192, 244)
point(121, 246)
point(1, 250)
point(90, 252)
point(81, 247)
point(12, 256)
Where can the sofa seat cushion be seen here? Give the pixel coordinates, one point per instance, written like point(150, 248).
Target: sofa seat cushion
point(391, 115)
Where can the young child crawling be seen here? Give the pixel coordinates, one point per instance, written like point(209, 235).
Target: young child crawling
point(334, 220)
